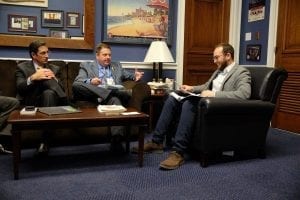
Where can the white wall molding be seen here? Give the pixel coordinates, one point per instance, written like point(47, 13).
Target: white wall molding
point(235, 27)
point(274, 4)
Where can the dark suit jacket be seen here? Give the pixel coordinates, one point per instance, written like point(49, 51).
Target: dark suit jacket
point(29, 94)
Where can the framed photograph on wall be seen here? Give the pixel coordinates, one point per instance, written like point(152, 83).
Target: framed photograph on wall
point(253, 52)
point(52, 18)
point(139, 22)
point(58, 33)
point(72, 20)
point(36, 3)
point(22, 23)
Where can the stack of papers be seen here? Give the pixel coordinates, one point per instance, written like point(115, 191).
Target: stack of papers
point(111, 109)
point(157, 85)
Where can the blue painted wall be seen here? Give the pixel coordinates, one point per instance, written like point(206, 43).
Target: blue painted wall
point(121, 52)
point(261, 27)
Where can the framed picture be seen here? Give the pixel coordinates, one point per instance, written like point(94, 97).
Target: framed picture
point(58, 33)
point(73, 20)
point(36, 3)
point(21, 23)
point(139, 22)
point(52, 18)
point(253, 52)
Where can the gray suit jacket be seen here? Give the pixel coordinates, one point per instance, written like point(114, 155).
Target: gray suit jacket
point(90, 70)
point(236, 85)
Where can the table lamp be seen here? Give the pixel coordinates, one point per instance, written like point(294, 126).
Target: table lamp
point(158, 52)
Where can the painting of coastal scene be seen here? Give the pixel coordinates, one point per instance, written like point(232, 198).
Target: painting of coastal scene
point(136, 20)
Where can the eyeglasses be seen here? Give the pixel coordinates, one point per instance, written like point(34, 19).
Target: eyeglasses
point(216, 57)
point(43, 53)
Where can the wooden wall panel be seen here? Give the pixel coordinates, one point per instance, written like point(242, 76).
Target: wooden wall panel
point(206, 24)
point(287, 116)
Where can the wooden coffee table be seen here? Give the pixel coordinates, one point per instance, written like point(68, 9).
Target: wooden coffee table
point(89, 117)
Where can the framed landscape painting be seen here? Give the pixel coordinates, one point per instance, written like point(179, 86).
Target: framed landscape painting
point(137, 22)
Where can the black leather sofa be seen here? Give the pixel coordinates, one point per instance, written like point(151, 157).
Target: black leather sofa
point(140, 93)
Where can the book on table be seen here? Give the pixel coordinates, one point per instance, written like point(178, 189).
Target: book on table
point(111, 109)
point(56, 110)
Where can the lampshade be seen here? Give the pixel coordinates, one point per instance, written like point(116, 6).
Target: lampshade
point(158, 52)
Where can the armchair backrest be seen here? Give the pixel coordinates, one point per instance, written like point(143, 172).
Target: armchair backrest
point(266, 83)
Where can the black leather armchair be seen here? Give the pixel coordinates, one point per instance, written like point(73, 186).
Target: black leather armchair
point(235, 125)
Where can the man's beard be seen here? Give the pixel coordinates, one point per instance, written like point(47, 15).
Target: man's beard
point(223, 65)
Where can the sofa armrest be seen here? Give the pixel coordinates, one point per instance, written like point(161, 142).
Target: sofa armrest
point(140, 92)
point(212, 106)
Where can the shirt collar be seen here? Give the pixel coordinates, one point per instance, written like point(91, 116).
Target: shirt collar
point(228, 68)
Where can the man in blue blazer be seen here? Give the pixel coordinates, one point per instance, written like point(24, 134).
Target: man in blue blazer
point(228, 81)
point(40, 84)
point(93, 79)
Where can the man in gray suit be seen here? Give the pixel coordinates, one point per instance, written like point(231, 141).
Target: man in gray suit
point(40, 84)
point(228, 81)
point(93, 79)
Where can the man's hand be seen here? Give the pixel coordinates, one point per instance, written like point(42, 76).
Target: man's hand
point(42, 74)
point(96, 81)
point(186, 88)
point(138, 75)
point(207, 93)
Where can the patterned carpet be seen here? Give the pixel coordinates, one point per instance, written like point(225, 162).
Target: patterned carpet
point(91, 172)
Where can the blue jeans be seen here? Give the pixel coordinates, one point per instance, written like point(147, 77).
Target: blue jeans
point(186, 111)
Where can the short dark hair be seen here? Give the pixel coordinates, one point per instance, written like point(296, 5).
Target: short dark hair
point(102, 46)
point(227, 48)
point(35, 45)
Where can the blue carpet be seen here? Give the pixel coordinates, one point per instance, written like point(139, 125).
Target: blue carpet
point(90, 172)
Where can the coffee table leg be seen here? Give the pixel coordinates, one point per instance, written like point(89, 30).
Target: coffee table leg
point(16, 136)
point(142, 130)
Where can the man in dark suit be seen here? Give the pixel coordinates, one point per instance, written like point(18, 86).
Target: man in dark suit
point(93, 79)
point(228, 81)
point(39, 84)
point(7, 105)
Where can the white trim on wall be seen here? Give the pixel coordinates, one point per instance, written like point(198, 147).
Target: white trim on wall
point(272, 32)
point(235, 27)
point(180, 41)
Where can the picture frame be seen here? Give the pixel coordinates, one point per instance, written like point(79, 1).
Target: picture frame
point(57, 33)
point(253, 52)
point(140, 22)
point(22, 23)
point(52, 18)
point(72, 19)
point(39, 3)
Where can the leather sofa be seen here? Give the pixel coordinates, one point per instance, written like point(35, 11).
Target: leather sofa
point(238, 125)
point(140, 93)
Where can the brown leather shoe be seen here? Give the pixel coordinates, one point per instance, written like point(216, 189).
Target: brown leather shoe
point(150, 147)
point(173, 161)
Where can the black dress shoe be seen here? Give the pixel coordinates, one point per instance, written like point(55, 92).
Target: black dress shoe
point(4, 151)
point(42, 150)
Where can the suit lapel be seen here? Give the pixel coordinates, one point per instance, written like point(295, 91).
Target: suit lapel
point(229, 75)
